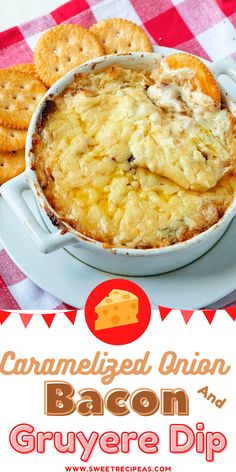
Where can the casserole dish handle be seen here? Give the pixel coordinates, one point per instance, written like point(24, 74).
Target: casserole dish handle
point(225, 66)
point(47, 242)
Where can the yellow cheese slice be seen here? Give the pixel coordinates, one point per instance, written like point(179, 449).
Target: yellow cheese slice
point(119, 308)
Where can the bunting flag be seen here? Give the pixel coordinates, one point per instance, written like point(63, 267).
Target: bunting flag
point(209, 314)
point(3, 316)
point(71, 315)
point(25, 318)
point(48, 318)
point(164, 312)
point(187, 315)
point(231, 312)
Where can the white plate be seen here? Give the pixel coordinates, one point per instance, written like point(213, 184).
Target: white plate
point(203, 282)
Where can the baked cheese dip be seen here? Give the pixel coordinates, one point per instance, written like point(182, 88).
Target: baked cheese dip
point(140, 159)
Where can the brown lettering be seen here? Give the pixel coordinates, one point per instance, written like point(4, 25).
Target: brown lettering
point(91, 403)
point(115, 401)
point(170, 364)
point(174, 402)
point(58, 399)
point(144, 402)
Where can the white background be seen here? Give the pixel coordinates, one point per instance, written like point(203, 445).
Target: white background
point(22, 397)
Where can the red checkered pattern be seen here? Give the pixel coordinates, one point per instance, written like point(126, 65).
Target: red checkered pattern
point(203, 27)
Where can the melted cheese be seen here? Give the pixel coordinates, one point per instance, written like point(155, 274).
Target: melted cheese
point(132, 162)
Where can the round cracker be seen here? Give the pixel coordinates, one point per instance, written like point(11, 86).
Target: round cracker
point(12, 139)
point(19, 95)
point(11, 165)
point(61, 49)
point(118, 35)
point(26, 68)
point(202, 77)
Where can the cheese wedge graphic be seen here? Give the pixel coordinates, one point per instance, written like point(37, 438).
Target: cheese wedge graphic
point(119, 308)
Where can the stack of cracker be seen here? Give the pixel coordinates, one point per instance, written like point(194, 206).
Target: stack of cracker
point(58, 50)
point(64, 47)
point(20, 91)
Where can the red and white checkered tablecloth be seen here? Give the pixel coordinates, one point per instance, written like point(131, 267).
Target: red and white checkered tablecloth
point(202, 27)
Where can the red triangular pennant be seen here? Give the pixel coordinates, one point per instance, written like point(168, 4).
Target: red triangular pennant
point(164, 312)
point(187, 315)
point(71, 315)
point(231, 312)
point(3, 316)
point(48, 318)
point(209, 314)
point(25, 317)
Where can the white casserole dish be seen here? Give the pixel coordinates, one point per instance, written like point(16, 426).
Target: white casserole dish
point(122, 261)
